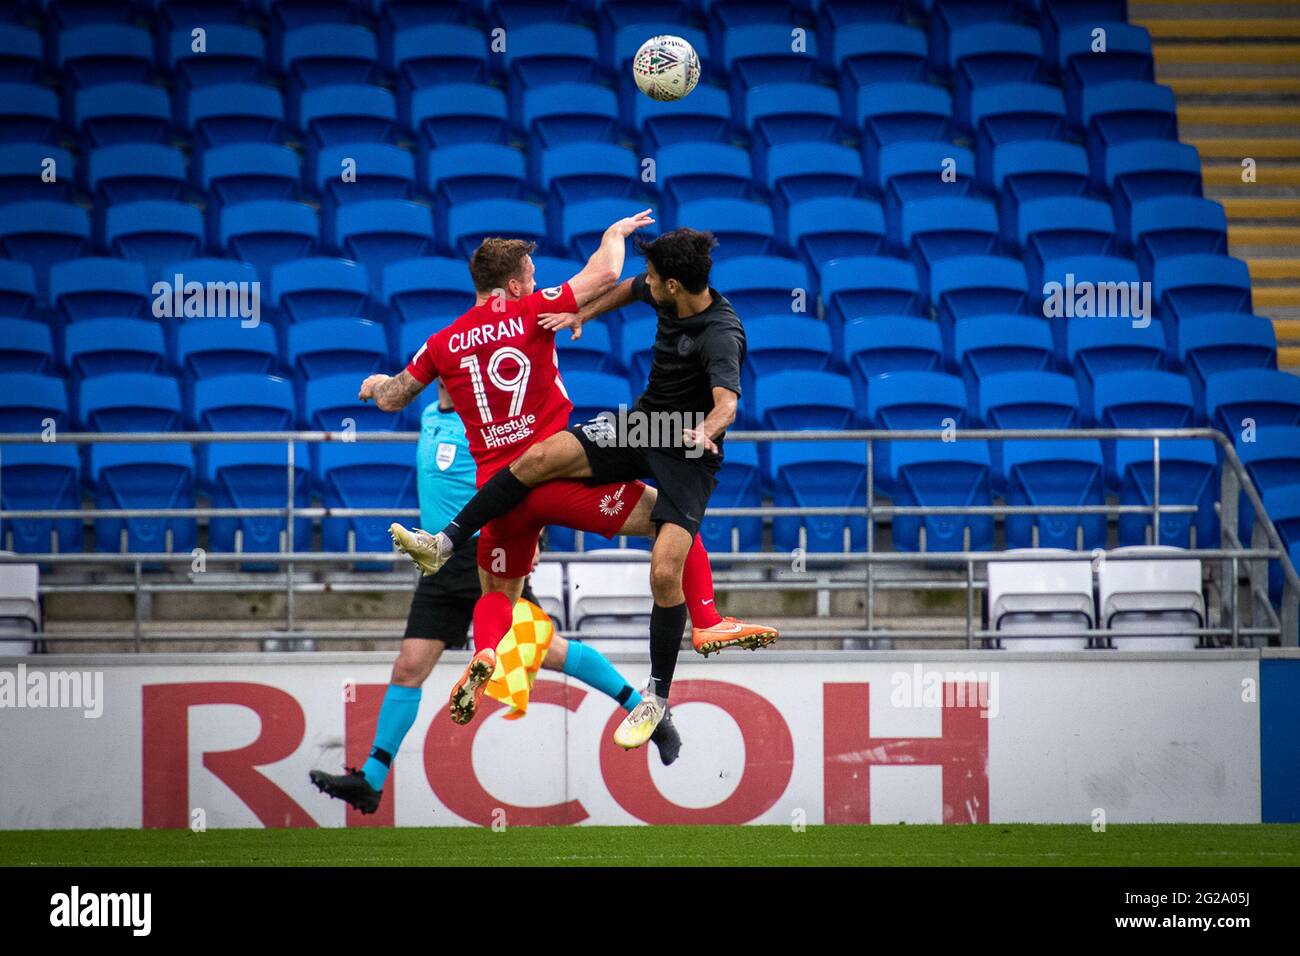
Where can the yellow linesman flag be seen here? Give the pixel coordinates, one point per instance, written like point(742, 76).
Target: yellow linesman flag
point(519, 655)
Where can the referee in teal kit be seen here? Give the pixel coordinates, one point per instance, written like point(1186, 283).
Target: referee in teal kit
point(442, 610)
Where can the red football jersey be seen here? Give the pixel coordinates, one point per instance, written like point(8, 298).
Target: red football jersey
point(503, 374)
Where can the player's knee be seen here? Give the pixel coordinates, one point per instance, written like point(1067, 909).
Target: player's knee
point(534, 465)
point(665, 579)
point(410, 670)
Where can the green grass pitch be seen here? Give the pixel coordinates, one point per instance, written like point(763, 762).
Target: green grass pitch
point(883, 845)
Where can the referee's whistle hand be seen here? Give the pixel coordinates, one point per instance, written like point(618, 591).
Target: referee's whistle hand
point(554, 321)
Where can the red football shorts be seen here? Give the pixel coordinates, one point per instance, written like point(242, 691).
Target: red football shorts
point(506, 545)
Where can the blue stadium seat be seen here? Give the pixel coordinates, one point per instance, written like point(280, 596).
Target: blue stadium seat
point(471, 171)
point(133, 171)
point(431, 291)
point(1140, 399)
point(919, 170)
point(965, 286)
point(1265, 396)
point(986, 345)
point(742, 227)
point(330, 402)
point(579, 171)
point(247, 171)
point(1147, 168)
point(702, 170)
point(1012, 113)
point(468, 223)
point(833, 15)
point(797, 171)
point(143, 476)
point(26, 346)
point(97, 288)
point(255, 475)
point(1054, 474)
point(372, 171)
point(411, 336)
point(762, 285)
point(704, 116)
point(41, 477)
point(429, 54)
point(382, 231)
point(938, 228)
point(122, 113)
point(17, 290)
point(804, 399)
point(1028, 399)
point(776, 343)
point(329, 54)
point(819, 474)
point(900, 112)
point(521, 13)
point(1056, 17)
point(320, 288)
point(348, 113)
point(1090, 287)
point(1063, 226)
point(209, 272)
point(1196, 284)
point(231, 54)
point(595, 392)
point(105, 346)
point(177, 14)
point(947, 16)
point(1205, 345)
point(104, 53)
point(29, 113)
point(30, 399)
point(591, 353)
point(20, 54)
point(334, 347)
point(208, 347)
point(1096, 347)
point(550, 53)
point(1188, 476)
point(288, 15)
point(834, 227)
point(915, 399)
point(1126, 111)
point(1034, 169)
point(267, 232)
point(859, 286)
point(885, 53)
point(757, 53)
point(153, 231)
point(777, 113)
point(363, 475)
point(740, 485)
point(581, 224)
point(561, 113)
point(130, 402)
point(244, 402)
point(1176, 226)
point(883, 344)
point(989, 53)
point(940, 474)
point(638, 337)
point(24, 166)
point(453, 113)
point(1272, 460)
point(226, 113)
point(1127, 56)
point(42, 233)
point(1283, 507)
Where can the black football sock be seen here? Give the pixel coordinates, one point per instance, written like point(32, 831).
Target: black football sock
point(666, 627)
point(498, 495)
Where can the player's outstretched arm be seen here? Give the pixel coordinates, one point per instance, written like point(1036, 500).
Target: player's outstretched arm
point(391, 393)
point(615, 298)
point(606, 263)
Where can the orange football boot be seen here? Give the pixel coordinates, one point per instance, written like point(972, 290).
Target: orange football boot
point(732, 633)
point(469, 689)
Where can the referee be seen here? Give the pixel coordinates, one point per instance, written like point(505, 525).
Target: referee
point(442, 610)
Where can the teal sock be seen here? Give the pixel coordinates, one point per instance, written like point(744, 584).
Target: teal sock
point(396, 716)
point(591, 667)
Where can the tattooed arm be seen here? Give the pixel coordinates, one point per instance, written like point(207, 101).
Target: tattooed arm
point(391, 393)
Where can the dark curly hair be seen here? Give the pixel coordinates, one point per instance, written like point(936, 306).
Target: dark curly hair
point(682, 254)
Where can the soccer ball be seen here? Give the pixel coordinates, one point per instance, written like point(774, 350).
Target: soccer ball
point(666, 68)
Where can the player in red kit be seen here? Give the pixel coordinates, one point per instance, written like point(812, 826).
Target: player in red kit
point(500, 366)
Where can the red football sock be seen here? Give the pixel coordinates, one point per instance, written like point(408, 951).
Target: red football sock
point(697, 585)
point(493, 617)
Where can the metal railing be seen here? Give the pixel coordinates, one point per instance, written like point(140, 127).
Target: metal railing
point(1231, 557)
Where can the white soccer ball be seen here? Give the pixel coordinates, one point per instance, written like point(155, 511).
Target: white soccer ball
point(666, 68)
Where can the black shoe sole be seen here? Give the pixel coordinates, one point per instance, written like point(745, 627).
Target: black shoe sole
point(320, 779)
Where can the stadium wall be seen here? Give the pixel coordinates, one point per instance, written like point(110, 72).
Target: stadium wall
point(1279, 674)
point(786, 738)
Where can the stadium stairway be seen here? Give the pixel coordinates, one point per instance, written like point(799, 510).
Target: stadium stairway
point(1234, 66)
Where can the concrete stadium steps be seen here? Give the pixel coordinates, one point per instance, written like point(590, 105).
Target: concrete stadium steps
point(1234, 66)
